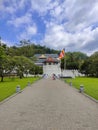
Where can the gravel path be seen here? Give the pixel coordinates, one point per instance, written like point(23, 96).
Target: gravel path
point(49, 105)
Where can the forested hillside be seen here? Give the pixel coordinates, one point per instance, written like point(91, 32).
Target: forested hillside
point(30, 50)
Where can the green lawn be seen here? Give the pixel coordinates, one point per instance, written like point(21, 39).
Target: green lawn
point(90, 85)
point(8, 87)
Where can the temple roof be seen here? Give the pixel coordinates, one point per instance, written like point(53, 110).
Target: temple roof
point(46, 55)
point(51, 60)
point(42, 57)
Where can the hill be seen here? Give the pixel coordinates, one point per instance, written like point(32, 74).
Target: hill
point(30, 50)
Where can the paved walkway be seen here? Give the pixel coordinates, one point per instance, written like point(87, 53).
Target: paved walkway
point(49, 105)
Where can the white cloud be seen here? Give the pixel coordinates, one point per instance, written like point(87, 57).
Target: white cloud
point(56, 37)
point(28, 32)
point(81, 14)
point(71, 26)
point(11, 6)
point(32, 30)
point(20, 21)
point(40, 6)
point(76, 14)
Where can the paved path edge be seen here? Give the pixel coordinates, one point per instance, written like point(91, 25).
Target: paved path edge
point(93, 99)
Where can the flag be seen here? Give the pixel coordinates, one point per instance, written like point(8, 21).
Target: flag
point(62, 54)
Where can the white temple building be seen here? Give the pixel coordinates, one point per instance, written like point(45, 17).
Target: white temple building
point(51, 65)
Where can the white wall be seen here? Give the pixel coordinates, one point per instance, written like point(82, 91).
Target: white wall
point(53, 68)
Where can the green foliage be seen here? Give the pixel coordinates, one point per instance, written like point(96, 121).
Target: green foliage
point(2, 53)
point(22, 65)
point(85, 67)
point(74, 59)
point(8, 87)
point(90, 66)
point(2, 62)
point(90, 85)
point(36, 70)
point(29, 49)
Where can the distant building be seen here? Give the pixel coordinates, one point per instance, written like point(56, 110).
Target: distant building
point(50, 63)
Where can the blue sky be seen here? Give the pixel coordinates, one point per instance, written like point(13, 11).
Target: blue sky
point(69, 24)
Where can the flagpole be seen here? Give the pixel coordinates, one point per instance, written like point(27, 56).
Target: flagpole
point(61, 70)
point(64, 63)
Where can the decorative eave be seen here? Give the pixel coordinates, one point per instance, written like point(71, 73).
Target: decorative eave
point(51, 60)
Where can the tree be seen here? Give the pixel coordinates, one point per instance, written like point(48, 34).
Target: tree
point(36, 70)
point(95, 67)
point(2, 62)
point(85, 69)
point(94, 64)
point(90, 65)
point(22, 65)
point(74, 59)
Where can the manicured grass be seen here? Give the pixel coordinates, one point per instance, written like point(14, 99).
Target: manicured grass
point(90, 85)
point(8, 87)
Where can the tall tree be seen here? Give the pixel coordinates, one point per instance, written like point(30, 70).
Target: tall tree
point(74, 60)
point(22, 65)
point(2, 62)
point(90, 65)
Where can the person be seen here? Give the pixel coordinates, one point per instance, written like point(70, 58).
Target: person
point(53, 76)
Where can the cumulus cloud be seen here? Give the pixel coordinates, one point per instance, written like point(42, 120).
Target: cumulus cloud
point(11, 6)
point(81, 14)
point(28, 32)
point(76, 14)
point(20, 21)
point(72, 24)
point(57, 37)
point(91, 41)
point(40, 6)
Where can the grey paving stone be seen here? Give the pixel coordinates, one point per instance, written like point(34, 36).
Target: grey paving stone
point(49, 105)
